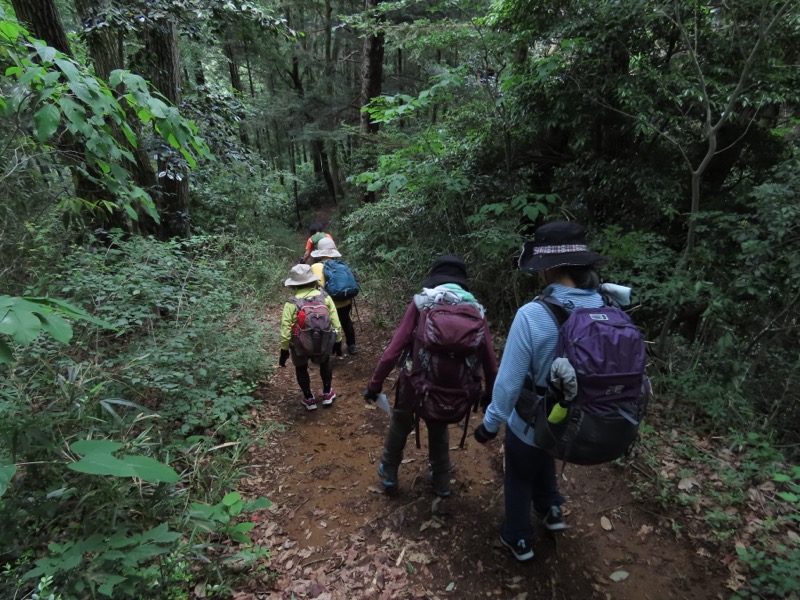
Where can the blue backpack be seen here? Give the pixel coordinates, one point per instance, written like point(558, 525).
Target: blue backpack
point(340, 283)
point(608, 355)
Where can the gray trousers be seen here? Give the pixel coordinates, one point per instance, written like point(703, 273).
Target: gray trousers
point(400, 426)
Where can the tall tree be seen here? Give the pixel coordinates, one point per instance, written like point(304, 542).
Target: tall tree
point(372, 66)
point(104, 41)
point(45, 23)
point(164, 69)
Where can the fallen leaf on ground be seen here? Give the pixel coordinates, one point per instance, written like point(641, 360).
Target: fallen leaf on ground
point(687, 483)
point(605, 523)
point(619, 576)
point(644, 530)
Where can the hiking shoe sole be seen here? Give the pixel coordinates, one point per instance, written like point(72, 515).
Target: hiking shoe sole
point(522, 554)
point(553, 520)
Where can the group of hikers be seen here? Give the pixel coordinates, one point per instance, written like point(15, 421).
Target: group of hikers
point(571, 383)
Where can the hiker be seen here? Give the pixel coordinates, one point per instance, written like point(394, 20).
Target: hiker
point(315, 234)
point(326, 250)
point(568, 271)
point(302, 342)
point(446, 285)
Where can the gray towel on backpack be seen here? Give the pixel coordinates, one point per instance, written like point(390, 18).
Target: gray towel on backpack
point(564, 379)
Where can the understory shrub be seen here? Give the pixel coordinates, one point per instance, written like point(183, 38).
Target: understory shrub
point(118, 452)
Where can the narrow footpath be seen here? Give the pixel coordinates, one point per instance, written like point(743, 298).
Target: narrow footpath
point(333, 534)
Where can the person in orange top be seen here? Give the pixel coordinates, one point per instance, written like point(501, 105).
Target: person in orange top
point(316, 234)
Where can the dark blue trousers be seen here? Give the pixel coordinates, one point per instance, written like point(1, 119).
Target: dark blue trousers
point(530, 477)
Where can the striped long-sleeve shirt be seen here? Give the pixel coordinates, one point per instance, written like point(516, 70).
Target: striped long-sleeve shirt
point(529, 352)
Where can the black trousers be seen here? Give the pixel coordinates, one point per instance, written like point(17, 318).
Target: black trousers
point(347, 324)
point(304, 379)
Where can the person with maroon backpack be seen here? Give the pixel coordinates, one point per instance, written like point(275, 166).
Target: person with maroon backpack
point(567, 269)
point(443, 343)
point(310, 332)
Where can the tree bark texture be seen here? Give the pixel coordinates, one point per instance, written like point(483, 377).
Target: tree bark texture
point(44, 22)
point(163, 62)
point(371, 71)
point(105, 47)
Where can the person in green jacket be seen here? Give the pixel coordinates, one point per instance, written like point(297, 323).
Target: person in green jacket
point(305, 284)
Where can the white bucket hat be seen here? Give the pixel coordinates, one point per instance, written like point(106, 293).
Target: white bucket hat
point(326, 248)
point(300, 275)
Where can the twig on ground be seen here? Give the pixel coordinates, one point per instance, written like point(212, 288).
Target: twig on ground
point(396, 510)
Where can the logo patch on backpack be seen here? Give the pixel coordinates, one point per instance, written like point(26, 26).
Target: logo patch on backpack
point(313, 335)
point(609, 358)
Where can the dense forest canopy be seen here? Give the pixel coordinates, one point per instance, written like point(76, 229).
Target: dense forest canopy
point(158, 157)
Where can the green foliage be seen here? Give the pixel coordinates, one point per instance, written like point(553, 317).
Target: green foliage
point(108, 517)
point(120, 564)
point(52, 93)
point(22, 319)
point(221, 517)
point(97, 459)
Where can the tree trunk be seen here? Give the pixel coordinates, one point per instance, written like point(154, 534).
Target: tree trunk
point(105, 47)
point(371, 71)
point(336, 172)
point(163, 63)
point(44, 22)
point(293, 168)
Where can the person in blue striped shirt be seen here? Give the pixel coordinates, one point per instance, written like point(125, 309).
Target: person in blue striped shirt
point(567, 270)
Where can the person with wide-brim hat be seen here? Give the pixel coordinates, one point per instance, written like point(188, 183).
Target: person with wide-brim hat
point(447, 282)
point(327, 250)
point(305, 284)
point(560, 256)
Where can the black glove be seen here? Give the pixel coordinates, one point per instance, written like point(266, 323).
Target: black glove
point(370, 396)
point(337, 348)
point(284, 357)
point(483, 435)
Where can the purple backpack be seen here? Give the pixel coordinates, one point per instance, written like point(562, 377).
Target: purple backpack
point(446, 362)
point(607, 352)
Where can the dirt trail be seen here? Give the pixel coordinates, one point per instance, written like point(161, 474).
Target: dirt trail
point(334, 534)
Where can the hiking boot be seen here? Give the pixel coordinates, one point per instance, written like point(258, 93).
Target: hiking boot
point(522, 550)
point(352, 349)
point(310, 403)
point(388, 477)
point(441, 483)
point(553, 519)
point(327, 399)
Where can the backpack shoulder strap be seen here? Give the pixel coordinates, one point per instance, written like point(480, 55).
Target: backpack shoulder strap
point(554, 308)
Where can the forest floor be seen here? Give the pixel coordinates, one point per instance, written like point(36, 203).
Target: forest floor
point(334, 534)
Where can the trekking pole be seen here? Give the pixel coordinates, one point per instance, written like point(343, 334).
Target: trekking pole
point(358, 316)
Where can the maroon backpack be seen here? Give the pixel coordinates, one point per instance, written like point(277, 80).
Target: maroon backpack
point(445, 362)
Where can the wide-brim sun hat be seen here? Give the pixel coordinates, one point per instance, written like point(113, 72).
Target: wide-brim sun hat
point(447, 269)
point(558, 244)
point(300, 275)
point(326, 248)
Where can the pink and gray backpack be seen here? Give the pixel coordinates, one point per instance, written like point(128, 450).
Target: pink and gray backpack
point(313, 335)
